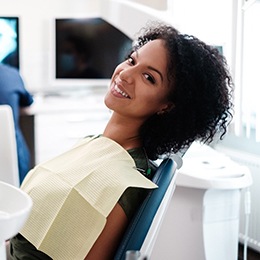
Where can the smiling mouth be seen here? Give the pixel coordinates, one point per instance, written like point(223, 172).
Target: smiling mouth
point(118, 90)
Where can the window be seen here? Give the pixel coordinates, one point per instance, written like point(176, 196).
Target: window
point(247, 71)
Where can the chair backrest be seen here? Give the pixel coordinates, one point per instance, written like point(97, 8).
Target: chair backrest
point(144, 227)
point(8, 153)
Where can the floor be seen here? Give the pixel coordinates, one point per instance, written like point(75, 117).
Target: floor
point(251, 254)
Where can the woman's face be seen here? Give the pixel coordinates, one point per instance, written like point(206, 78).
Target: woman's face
point(139, 85)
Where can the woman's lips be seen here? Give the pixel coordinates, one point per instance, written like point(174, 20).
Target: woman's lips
point(119, 92)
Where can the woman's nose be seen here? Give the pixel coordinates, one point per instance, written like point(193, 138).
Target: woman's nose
point(127, 75)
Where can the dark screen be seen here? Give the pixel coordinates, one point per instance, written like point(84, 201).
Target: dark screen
point(88, 48)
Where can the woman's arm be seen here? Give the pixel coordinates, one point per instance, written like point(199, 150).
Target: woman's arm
point(108, 241)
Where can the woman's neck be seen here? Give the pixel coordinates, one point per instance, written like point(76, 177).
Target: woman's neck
point(124, 132)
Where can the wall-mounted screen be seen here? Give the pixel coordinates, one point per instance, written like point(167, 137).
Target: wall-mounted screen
point(9, 41)
point(88, 48)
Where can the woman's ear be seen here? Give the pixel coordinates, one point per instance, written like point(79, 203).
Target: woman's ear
point(166, 108)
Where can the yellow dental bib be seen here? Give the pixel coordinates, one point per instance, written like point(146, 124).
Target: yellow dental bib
point(74, 193)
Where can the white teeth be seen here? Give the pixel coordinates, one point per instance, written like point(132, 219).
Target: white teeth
point(117, 89)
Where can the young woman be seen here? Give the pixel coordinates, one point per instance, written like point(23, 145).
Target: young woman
point(171, 90)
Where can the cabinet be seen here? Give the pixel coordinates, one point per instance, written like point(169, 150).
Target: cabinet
point(62, 121)
point(26, 122)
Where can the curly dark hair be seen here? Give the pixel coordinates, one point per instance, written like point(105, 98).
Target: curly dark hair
point(200, 89)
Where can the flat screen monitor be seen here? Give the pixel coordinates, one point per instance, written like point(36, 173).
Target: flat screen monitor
point(87, 49)
point(9, 41)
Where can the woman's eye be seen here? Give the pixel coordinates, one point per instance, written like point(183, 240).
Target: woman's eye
point(150, 78)
point(130, 60)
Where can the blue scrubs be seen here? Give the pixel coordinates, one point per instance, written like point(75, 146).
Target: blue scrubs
point(14, 94)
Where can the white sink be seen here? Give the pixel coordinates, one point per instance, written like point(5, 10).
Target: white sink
point(15, 207)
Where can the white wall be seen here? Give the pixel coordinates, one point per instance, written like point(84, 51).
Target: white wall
point(131, 16)
point(210, 20)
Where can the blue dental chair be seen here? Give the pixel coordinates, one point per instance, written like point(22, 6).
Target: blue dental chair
point(143, 229)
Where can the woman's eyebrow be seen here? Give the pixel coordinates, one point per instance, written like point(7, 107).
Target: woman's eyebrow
point(157, 71)
point(149, 67)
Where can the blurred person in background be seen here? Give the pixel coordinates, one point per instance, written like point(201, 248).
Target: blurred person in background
point(14, 94)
